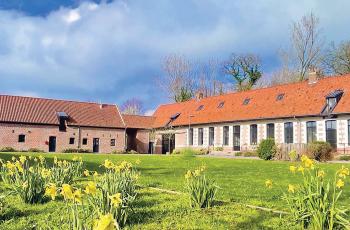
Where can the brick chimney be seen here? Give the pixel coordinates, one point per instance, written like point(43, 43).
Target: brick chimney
point(314, 75)
point(199, 95)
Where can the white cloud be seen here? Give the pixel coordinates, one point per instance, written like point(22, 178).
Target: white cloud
point(113, 51)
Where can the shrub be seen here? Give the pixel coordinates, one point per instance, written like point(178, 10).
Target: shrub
point(117, 152)
point(8, 149)
point(219, 149)
point(267, 149)
point(313, 203)
point(78, 150)
point(293, 155)
point(344, 158)
point(202, 151)
point(176, 151)
point(320, 151)
point(35, 150)
point(132, 152)
point(201, 190)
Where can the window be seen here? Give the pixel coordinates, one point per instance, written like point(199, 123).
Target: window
point(311, 131)
point(112, 142)
point(221, 104)
point(211, 136)
point(246, 101)
point(225, 133)
point(71, 141)
point(253, 134)
point(288, 132)
point(270, 130)
point(200, 136)
point(21, 138)
point(331, 133)
point(190, 136)
point(84, 141)
point(237, 138)
point(349, 132)
point(280, 97)
point(200, 107)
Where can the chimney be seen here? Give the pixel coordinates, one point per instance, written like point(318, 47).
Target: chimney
point(103, 106)
point(199, 95)
point(314, 75)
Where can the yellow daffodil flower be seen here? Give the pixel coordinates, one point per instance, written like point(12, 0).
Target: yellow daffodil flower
point(291, 188)
point(86, 172)
point(55, 160)
point(138, 162)
point(51, 191)
point(116, 199)
point(105, 222)
point(67, 192)
point(77, 196)
point(268, 183)
point(301, 169)
point(22, 159)
point(75, 158)
point(321, 174)
point(343, 172)
point(90, 188)
point(292, 168)
point(108, 164)
point(95, 174)
point(340, 183)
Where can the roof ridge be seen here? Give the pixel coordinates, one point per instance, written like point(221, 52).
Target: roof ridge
point(53, 99)
point(136, 115)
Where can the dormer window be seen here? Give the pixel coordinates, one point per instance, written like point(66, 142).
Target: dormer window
point(173, 118)
point(246, 101)
point(332, 100)
point(280, 97)
point(200, 107)
point(221, 104)
point(62, 118)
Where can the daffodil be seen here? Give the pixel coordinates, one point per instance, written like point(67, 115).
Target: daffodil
point(188, 175)
point(291, 188)
point(10, 165)
point(321, 174)
point(67, 192)
point(95, 174)
point(51, 191)
point(340, 183)
point(42, 159)
point(90, 188)
point(22, 159)
point(31, 169)
point(292, 168)
point(86, 172)
point(116, 199)
point(13, 158)
point(268, 183)
point(108, 164)
point(77, 196)
point(65, 163)
point(301, 169)
point(55, 160)
point(75, 158)
point(105, 222)
point(343, 172)
point(197, 173)
point(45, 173)
point(138, 162)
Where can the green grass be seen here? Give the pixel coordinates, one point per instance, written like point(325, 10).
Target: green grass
point(241, 182)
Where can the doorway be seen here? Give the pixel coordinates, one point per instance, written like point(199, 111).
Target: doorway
point(96, 145)
point(236, 138)
point(168, 143)
point(52, 144)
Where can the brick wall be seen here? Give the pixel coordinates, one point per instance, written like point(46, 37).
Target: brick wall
point(142, 141)
point(37, 136)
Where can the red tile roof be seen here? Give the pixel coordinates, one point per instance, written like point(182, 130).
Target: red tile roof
point(138, 121)
point(300, 99)
point(44, 111)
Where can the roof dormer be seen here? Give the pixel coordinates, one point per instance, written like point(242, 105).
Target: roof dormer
point(332, 99)
point(62, 118)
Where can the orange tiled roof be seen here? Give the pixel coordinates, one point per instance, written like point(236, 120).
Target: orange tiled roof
point(137, 121)
point(300, 99)
point(44, 111)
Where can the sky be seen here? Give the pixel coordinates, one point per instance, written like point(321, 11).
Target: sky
point(111, 51)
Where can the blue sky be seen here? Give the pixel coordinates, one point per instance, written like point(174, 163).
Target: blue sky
point(109, 51)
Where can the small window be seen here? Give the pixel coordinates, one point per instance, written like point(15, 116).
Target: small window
point(226, 133)
point(84, 141)
point(280, 97)
point(200, 136)
point(246, 101)
point(288, 132)
point(311, 135)
point(253, 134)
point(270, 130)
point(112, 142)
point(21, 138)
point(221, 104)
point(211, 136)
point(190, 137)
point(200, 107)
point(71, 141)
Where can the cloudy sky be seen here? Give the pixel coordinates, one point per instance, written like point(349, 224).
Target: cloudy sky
point(110, 51)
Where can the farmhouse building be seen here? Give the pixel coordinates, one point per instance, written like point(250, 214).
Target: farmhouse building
point(292, 114)
point(296, 113)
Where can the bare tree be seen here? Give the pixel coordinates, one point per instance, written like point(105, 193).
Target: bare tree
point(245, 70)
point(132, 106)
point(307, 45)
point(178, 80)
point(337, 59)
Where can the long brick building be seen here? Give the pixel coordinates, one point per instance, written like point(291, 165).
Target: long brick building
point(297, 113)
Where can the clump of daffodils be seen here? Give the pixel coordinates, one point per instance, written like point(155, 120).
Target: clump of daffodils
point(313, 202)
point(201, 190)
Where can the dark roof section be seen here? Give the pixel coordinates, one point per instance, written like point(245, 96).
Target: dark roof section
point(335, 93)
point(45, 111)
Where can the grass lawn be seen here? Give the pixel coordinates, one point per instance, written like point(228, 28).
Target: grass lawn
point(241, 182)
